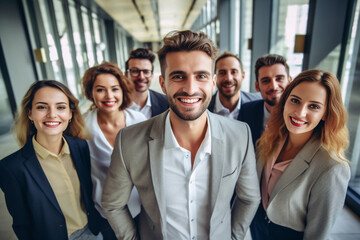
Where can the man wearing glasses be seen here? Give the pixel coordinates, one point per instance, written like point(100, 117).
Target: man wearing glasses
point(139, 68)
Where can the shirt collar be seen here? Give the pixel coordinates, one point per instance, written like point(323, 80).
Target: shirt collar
point(148, 101)
point(219, 107)
point(170, 140)
point(136, 107)
point(266, 116)
point(44, 153)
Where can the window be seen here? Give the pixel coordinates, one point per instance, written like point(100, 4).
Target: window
point(100, 45)
point(291, 19)
point(65, 47)
point(6, 117)
point(80, 49)
point(350, 85)
point(52, 50)
point(88, 39)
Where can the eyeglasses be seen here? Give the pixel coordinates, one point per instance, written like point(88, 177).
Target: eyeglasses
point(134, 72)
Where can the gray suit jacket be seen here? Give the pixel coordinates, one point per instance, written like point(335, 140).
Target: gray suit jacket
point(137, 160)
point(310, 193)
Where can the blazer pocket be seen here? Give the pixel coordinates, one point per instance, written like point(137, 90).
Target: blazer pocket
point(229, 174)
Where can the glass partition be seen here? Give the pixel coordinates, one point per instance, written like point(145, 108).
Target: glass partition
point(290, 18)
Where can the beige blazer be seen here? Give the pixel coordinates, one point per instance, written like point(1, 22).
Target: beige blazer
point(310, 193)
point(137, 160)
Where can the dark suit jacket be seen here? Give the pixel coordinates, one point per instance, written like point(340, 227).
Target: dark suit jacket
point(253, 114)
point(159, 103)
point(245, 98)
point(31, 200)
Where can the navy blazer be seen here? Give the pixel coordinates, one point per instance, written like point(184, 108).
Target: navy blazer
point(159, 103)
point(31, 200)
point(253, 114)
point(245, 98)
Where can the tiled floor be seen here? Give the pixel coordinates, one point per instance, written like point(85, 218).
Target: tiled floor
point(347, 226)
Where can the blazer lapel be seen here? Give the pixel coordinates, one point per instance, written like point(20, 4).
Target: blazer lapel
point(156, 144)
point(33, 166)
point(216, 159)
point(299, 164)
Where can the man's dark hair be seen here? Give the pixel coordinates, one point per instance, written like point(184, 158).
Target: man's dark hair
point(177, 41)
point(269, 60)
point(229, 54)
point(141, 53)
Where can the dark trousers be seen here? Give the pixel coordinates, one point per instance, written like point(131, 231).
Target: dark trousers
point(263, 229)
point(106, 231)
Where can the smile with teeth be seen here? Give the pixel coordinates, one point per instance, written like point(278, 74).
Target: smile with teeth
point(189, 100)
point(52, 123)
point(109, 103)
point(297, 122)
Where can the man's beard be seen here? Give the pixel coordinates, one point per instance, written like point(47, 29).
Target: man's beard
point(193, 116)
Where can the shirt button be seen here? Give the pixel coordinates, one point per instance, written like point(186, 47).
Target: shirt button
point(192, 220)
point(60, 225)
point(193, 237)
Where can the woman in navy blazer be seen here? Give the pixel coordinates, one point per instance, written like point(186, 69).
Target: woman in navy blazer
point(302, 170)
point(50, 113)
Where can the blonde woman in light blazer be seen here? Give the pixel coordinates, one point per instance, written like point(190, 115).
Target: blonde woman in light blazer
point(301, 166)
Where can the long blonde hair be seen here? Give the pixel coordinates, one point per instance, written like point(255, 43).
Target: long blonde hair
point(333, 133)
point(23, 127)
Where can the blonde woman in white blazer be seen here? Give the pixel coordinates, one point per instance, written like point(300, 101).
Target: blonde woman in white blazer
point(301, 166)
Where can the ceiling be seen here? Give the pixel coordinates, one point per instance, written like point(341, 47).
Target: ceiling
point(151, 20)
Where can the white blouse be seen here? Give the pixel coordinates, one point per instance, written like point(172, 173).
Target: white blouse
point(100, 154)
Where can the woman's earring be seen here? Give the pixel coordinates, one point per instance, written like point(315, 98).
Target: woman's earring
point(32, 122)
point(70, 120)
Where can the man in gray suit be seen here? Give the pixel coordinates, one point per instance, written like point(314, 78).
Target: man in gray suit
point(230, 74)
point(186, 163)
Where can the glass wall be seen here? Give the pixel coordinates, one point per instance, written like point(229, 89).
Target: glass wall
point(6, 117)
point(99, 42)
point(63, 33)
point(290, 19)
point(207, 21)
point(74, 37)
point(88, 38)
point(350, 84)
point(246, 35)
point(53, 53)
point(80, 48)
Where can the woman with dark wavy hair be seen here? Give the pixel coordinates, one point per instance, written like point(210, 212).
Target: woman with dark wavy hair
point(301, 164)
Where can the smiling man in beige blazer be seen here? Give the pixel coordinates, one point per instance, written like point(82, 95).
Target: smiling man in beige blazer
point(186, 163)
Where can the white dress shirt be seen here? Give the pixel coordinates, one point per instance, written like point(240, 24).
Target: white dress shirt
point(223, 111)
point(186, 189)
point(266, 117)
point(146, 110)
point(100, 155)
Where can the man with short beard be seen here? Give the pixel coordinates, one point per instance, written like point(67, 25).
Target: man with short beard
point(227, 101)
point(139, 68)
point(272, 77)
point(187, 162)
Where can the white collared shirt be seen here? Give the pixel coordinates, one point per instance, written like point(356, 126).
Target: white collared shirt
point(223, 111)
point(266, 117)
point(186, 190)
point(146, 110)
point(100, 156)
